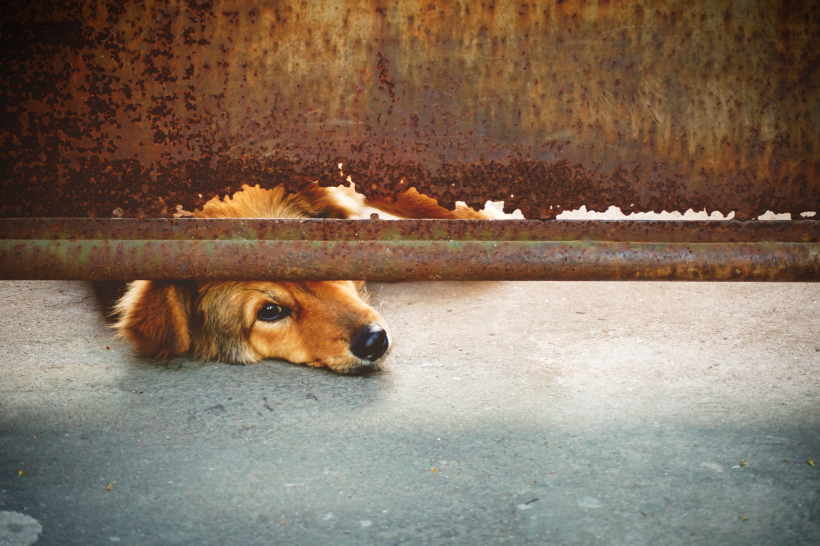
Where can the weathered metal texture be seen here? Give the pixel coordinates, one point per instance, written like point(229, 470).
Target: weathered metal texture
point(407, 250)
point(409, 230)
point(643, 105)
point(407, 260)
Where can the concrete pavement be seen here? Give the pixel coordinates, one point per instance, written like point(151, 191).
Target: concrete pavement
point(508, 413)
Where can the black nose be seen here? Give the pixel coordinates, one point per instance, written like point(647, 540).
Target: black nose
point(370, 342)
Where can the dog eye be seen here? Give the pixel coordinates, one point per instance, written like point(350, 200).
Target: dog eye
point(271, 312)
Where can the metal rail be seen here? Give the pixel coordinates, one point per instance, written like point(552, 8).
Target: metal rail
point(406, 250)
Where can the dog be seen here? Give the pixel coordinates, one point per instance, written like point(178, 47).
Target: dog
point(319, 324)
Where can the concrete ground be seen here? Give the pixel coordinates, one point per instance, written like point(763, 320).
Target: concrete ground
point(512, 412)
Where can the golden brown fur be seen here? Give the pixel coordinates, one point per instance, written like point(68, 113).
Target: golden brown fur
point(319, 324)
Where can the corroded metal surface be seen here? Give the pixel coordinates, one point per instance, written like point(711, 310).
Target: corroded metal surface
point(407, 260)
point(408, 250)
point(411, 230)
point(142, 106)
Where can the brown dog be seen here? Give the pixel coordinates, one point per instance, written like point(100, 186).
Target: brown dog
point(320, 324)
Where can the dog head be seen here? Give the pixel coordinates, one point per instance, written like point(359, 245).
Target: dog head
point(321, 324)
point(315, 323)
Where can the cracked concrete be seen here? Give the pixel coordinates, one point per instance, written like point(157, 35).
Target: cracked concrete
point(511, 412)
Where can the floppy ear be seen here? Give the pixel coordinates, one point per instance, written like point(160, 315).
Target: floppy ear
point(154, 315)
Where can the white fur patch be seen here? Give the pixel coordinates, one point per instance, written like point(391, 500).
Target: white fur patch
point(356, 205)
point(346, 196)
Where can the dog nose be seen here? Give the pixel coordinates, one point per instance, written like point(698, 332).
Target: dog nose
point(370, 342)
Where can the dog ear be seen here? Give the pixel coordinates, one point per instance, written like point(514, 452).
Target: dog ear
point(155, 316)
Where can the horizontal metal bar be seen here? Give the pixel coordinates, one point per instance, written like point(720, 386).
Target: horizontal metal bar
point(406, 260)
point(804, 231)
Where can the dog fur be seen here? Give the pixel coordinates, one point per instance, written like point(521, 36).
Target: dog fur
point(322, 324)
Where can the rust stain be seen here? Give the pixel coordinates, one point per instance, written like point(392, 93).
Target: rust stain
point(144, 106)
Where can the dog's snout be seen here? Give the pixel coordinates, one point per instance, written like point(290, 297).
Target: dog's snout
point(370, 343)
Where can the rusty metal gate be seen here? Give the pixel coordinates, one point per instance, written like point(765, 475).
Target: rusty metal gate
point(140, 106)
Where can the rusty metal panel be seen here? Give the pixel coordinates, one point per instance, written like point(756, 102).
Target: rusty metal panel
point(547, 105)
point(408, 250)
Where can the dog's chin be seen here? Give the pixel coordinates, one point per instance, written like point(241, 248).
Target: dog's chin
point(355, 367)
